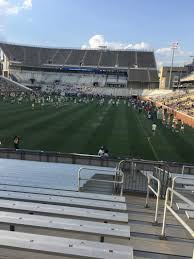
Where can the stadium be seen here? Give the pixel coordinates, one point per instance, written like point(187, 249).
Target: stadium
point(96, 149)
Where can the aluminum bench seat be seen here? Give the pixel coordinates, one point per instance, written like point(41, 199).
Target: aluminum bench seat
point(58, 246)
point(187, 180)
point(189, 188)
point(57, 192)
point(63, 211)
point(71, 201)
point(190, 214)
point(146, 173)
point(32, 182)
point(75, 226)
point(184, 206)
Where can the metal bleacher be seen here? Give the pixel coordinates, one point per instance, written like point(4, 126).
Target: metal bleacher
point(44, 222)
point(35, 214)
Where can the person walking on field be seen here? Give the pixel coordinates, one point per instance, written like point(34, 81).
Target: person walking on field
point(154, 126)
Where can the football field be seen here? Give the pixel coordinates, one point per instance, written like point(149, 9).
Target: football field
point(83, 128)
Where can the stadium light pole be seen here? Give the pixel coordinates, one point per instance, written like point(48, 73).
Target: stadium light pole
point(173, 47)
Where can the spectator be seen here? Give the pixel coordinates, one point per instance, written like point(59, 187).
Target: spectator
point(101, 151)
point(16, 142)
point(106, 153)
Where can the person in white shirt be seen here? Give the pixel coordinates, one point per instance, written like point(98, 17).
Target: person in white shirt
point(101, 151)
point(154, 126)
point(182, 128)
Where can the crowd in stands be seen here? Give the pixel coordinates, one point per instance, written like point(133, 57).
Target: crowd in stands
point(183, 102)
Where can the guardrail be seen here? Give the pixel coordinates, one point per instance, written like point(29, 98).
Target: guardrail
point(174, 183)
point(91, 170)
point(133, 182)
point(178, 218)
point(157, 193)
point(186, 166)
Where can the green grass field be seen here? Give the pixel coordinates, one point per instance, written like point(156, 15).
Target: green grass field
point(83, 128)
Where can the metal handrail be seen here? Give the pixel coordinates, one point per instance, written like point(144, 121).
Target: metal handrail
point(186, 166)
point(178, 218)
point(173, 185)
point(157, 193)
point(98, 180)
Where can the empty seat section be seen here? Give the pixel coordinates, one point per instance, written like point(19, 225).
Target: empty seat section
point(92, 58)
point(61, 56)
point(153, 76)
point(75, 57)
point(32, 56)
point(14, 52)
point(108, 59)
point(126, 59)
point(145, 59)
point(46, 55)
point(137, 75)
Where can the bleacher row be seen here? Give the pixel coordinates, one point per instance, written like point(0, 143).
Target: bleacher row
point(36, 56)
point(181, 101)
point(42, 78)
point(49, 78)
point(38, 221)
point(9, 86)
point(138, 75)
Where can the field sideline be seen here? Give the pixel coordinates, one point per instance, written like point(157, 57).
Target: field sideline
point(83, 128)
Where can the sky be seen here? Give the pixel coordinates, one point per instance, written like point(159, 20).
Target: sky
point(117, 24)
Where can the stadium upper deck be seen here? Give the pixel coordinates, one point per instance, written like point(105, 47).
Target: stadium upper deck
point(28, 62)
point(39, 56)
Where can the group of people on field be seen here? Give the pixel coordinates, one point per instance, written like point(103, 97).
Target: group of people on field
point(158, 114)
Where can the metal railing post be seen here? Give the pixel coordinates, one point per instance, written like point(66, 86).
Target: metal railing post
point(183, 169)
point(173, 185)
point(149, 187)
point(78, 180)
point(148, 192)
point(164, 217)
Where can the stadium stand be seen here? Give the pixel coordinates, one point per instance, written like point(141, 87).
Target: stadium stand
point(36, 56)
point(92, 58)
point(136, 75)
point(35, 229)
point(127, 59)
point(108, 59)
point(180, 101)
point(9, 86)
point(36, 66)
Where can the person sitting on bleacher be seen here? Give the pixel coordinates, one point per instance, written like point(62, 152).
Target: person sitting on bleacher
point(101, 151)
point(106, 154)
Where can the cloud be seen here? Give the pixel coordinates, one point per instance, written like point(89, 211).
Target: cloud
point(8, 8)
point(164, 56)
point(2, 29)
point(98, 41)
point(27, 4)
